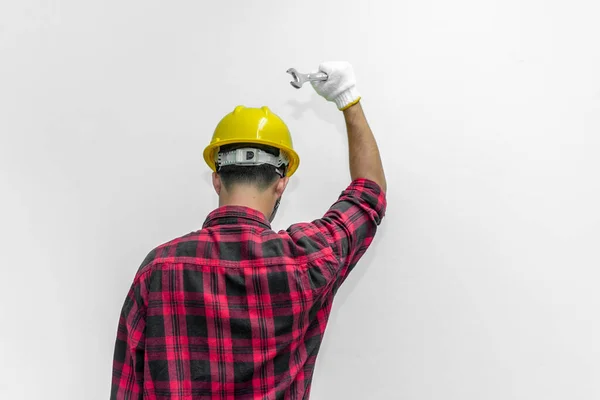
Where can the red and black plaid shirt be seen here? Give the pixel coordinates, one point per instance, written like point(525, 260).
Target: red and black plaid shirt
point(237, 310)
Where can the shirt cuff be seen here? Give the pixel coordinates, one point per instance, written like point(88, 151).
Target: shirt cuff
point(368, 192)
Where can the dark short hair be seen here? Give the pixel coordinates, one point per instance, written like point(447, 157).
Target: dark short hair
point(260, 176)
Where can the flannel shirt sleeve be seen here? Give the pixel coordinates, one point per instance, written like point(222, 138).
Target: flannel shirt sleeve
point(351, 223)
point(128, 361)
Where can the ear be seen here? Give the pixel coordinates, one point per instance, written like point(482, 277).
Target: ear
point(217, 183)
point(281, 185)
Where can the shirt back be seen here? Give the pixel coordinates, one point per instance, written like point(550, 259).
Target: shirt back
point(237, 310)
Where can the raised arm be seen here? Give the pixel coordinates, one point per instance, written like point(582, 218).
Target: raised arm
point(350, 224)
point(340, 88)
point(365, 161)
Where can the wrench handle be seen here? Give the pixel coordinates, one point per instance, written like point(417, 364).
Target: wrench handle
point(318, 76)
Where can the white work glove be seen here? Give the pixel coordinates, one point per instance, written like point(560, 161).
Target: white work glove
point(340, 87)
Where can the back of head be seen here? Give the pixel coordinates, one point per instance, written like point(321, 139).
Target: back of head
point(260, 176)
point(252, 156)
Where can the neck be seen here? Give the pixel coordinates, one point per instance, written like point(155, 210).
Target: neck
point(248, 197)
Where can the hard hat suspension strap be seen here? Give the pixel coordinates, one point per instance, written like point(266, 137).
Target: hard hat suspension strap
point(250, 156)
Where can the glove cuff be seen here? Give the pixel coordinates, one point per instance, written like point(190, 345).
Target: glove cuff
point(347, 98)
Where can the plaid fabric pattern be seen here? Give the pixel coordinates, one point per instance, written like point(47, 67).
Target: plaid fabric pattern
point(236, 310)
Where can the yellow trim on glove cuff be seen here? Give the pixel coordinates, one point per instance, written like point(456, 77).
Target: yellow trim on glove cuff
point(347, 106)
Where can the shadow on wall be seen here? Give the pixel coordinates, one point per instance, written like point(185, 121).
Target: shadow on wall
point(324, 110)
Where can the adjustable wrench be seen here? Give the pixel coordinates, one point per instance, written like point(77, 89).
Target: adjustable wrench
point(300, 79)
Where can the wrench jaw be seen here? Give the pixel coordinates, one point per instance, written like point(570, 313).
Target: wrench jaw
point(297, 82)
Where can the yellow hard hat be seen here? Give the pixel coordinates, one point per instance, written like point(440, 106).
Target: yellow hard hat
point(252, 125)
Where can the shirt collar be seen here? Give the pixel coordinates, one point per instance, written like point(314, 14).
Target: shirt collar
point(236, 215)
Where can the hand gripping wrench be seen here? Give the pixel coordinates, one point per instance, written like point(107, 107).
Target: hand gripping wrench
point(300, 79)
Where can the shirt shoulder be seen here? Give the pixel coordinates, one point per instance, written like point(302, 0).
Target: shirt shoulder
point(239, 247)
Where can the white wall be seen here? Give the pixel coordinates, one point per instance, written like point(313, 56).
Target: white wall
point(483, 282)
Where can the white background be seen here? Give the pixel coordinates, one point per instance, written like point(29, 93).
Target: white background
point(483, 281)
